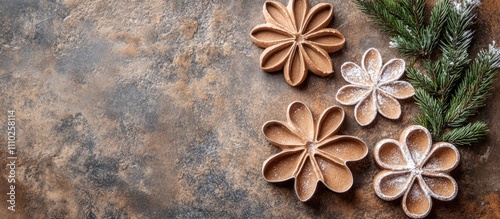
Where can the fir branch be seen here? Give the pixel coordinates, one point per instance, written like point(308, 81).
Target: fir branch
point(421, 120)
point(405, 14)
point(377, 11)
point(466, 135)
point(417, 9)
point(420, 80)
point(449, 69)
point(446, 72)
point(449, 89)
point(457, 40)
point(404, 21)
point(438, 16)
point(432, 32)
point(475, 88)
point(431, 108)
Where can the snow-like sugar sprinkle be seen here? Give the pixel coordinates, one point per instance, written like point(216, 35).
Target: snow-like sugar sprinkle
point(398, 180)
point(395, 182)
point(297, 110)
point(473, 2)
point(495, 52)
point(434, 164)
point(382, 101)
point(459, 7)
point(371, 71)
point(408, 29)
point(394, 157)
point(393, 44)
point(462, 5)
point(352, 72)
point(306, 180)
point(354, 94)
point(391, 88)
point(416, 155)
point(493, 48)
point(436, 183)
point(417, 171)
point(367, 107)
point(416, 193)
point(322, 165)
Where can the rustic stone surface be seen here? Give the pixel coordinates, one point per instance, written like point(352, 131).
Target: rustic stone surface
point(153, 109)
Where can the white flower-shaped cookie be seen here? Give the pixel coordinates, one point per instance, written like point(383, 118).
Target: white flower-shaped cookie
point(374, 87)
point(415, 169)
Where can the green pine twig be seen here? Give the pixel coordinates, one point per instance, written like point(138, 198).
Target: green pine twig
point(430, 107)
point(466, 135)
point(475, 88)
point(404, 21)
point(421, 80)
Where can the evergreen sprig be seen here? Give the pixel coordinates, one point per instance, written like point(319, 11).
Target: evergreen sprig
point(449, 87)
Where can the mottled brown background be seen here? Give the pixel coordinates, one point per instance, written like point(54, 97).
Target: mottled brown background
point(153, 109)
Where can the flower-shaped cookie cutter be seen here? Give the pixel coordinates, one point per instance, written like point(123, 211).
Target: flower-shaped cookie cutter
point(311, 152)
point(415, 169)
point(374, 87)
point(296, 39)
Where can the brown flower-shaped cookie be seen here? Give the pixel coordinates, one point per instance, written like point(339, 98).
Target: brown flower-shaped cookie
point(296, 40)
point(311, 151)
point(415, 169)
point(374, 87)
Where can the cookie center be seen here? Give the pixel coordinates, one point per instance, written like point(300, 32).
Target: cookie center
point(417, 171)
point(311, 147)
point(299, 38)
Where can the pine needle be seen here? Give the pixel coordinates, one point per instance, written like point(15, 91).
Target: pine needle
point(466, 135)
point(475, 88)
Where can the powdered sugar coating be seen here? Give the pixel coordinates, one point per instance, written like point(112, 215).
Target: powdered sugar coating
point(423, 174)
point(381, 81)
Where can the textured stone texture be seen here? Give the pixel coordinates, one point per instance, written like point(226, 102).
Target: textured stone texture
point(153, 109)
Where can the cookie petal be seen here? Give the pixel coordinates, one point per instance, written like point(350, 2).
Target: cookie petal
point(398, 89)
point(298, 10)
point(390, 154)
point(416, 202)
point(390, 185)
point(282, 166)
point(306, 181)
point(318, 18)
point(281, 134)
point(265, 35)
point(329, 39)
point(301, 117)
point(444, 157)
point(337, 177)
point(344, 148)
point(273, 58)
point(317, 59)
point(441, 186)
point(372, 63)
point(352, 94)
point(295, 68)
point(418, 140)
point(388, 106)
point(329, 123)
point(354, 74)
point(276, 14)
point(392, 70)
point(366, 110)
